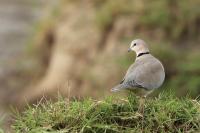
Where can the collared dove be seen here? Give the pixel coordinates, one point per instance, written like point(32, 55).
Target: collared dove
point(145, 74)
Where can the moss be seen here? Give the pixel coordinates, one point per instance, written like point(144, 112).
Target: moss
point(163, 114)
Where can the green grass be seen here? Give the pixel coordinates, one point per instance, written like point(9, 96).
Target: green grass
point(163, 114)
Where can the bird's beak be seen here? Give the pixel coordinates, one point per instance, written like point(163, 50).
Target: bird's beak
point(129, 50)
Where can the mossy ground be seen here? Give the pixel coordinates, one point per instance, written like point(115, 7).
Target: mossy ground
point(163, 114)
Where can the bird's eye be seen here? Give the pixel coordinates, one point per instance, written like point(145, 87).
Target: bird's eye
point(134, 44)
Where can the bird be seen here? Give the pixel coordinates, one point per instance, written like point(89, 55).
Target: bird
point(145, 75)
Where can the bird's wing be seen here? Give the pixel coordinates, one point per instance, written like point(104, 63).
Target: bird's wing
point(130, 77)
point(126, 85)
point(130, 69)
point(132, 84)
point(139, 75)
point(122, 81)
point(147, 74)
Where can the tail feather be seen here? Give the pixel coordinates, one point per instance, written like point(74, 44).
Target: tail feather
point(118, 88)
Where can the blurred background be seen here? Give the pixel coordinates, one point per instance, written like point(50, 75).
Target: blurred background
point(79, 48)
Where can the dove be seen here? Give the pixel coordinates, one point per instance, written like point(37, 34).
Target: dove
point(145, 75)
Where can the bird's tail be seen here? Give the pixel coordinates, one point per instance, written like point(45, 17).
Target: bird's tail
point(118, 88)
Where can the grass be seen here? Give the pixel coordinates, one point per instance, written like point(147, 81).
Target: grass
point(163, 114)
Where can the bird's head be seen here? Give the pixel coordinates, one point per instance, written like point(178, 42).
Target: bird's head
point(139, 46)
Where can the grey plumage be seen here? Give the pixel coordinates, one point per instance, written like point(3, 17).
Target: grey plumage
point(145, 74)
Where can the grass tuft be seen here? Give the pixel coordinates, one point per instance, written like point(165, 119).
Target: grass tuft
point(163, 114)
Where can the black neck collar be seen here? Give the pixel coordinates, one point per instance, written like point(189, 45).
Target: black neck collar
point(140, 54)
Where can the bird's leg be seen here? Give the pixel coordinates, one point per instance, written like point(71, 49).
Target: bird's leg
point(142, 102)
point(141, 105)
point(141, 109)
